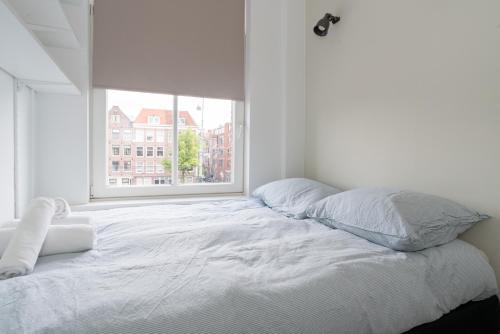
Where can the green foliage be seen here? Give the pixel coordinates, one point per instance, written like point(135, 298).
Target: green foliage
point(189, 147)
point(167, 164)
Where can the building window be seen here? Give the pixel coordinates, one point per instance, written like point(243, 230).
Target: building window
point(140, 151)
point(127, 166)
point(160, 169)
point(112, 182)
point(115, 134)
point(116, 150)
point(160, 136)
point(127, 150)
point(139, 167)
point(150, 168)
point(139, 135)
point(115, 119)
point(208, 151)
point(126, 181)
point(150, 136)
point(127, 135)
point(160, 180)
point(154, 120)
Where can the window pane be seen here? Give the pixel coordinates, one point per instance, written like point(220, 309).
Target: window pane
point(127, 150)
point(205, 140)
point(140, 141)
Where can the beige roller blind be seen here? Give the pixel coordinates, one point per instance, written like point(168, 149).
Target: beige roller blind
point(183, 47)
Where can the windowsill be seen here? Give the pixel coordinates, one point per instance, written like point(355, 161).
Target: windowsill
point(113, 203)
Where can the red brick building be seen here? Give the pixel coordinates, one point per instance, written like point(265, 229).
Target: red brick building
point(136, 149)
point(217, 157)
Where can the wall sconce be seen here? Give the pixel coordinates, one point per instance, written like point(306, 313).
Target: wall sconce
point(321, 28)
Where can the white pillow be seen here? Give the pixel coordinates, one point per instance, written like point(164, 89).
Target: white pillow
point(291, 197)
point(397, 219)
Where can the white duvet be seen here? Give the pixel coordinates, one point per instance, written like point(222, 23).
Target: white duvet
point(238, 267)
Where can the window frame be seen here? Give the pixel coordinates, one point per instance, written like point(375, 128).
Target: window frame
point(99, 175)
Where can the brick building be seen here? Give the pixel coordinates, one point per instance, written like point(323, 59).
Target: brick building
point(137, 148)
point(217, 157)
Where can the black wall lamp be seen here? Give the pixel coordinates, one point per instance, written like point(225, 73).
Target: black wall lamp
point(321, 28)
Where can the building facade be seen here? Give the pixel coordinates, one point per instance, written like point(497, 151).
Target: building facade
point(140, 151)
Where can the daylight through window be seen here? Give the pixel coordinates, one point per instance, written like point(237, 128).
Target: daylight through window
point(141, 135)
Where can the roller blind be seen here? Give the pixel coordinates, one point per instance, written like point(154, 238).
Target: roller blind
point(182, 47)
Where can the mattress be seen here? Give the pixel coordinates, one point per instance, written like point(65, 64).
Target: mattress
point(238, 267)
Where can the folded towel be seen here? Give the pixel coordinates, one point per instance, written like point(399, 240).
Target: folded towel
point(62, 208)
point(70, 220)
point(73, 220)
point(60, 239)
point(22, 251)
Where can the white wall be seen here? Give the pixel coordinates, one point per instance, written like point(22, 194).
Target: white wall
point(61, 149)
point(61, 134)
point(407, 94)
point(7, 151)
point(275, 106)
point(24, 148)
point(275, 90)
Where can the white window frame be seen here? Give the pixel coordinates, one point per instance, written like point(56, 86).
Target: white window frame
point(100, 188)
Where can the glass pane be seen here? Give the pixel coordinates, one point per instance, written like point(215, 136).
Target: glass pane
point(205, 140)
point(139, 138)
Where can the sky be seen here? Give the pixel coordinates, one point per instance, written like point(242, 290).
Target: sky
point(211, 112)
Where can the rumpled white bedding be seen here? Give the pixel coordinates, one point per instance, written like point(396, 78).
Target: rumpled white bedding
point(237, 267)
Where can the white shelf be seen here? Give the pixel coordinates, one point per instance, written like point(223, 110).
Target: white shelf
point(22, 42)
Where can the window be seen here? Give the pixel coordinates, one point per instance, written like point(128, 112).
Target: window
point(194, 149)
point(160, 169)
point(112, 182)
point(140, 151)
point(139, 167)
point(126, 181)
point(160, 136)
point(127, 150)
point(154, 120)
point(115, 119)
point(150, 135)
point(127, 135)
point(139, 135)
point(150, 168)
point(150, 152)
point(115, 134)
point(160, 180)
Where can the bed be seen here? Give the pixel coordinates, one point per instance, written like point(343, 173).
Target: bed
point(239, 267)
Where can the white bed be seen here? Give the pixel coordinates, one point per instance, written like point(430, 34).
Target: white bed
point(238, 267)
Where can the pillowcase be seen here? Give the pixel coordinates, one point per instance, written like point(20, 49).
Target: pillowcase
point(291, 197)
point(401, 220)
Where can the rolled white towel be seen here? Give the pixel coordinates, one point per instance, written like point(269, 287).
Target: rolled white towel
point(22, 251)
point(60, 239)
point(62, 208)
point(70, 220)
point(73, 220)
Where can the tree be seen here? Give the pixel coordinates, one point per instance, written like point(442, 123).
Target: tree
point(189, 147)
